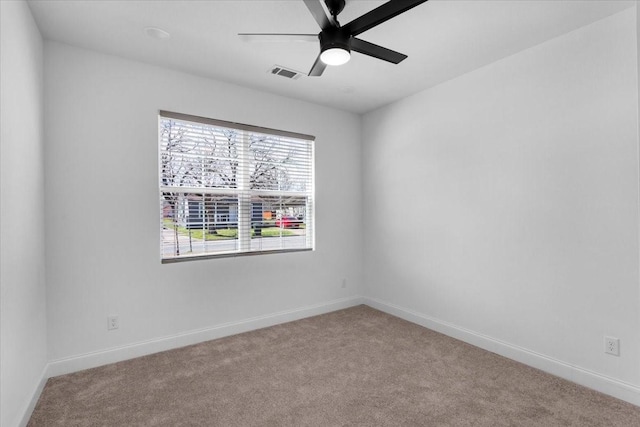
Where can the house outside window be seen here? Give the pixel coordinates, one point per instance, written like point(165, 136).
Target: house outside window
point(229, 189)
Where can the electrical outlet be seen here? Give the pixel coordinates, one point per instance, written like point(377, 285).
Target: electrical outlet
point(612, 346)
point(113, 323)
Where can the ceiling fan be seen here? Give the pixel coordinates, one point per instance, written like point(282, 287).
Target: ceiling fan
point(337, 41)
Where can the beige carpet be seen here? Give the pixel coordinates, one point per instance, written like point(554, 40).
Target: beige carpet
point(354, 367)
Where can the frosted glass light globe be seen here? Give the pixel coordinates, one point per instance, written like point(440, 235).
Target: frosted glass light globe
point(335, 56)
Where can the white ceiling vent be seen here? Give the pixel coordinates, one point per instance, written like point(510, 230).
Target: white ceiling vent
point(285, 72)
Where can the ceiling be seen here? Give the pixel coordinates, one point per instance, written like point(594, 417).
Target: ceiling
point(443, 39)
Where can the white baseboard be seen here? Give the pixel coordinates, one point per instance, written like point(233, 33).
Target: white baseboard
point(117, 354)
point(593, 380)
point(613, 387)
point(31, 404)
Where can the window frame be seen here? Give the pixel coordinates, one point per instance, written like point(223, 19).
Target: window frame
point(244, 194)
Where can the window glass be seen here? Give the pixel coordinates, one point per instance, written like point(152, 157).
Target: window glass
point(228, 189)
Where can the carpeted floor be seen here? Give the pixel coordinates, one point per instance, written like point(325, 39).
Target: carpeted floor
point(354, 367)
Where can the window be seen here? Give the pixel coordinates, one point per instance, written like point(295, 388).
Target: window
point(228, 189)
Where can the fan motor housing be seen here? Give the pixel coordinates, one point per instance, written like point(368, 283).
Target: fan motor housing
point(334, 38)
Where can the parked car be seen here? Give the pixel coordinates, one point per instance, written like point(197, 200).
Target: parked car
point(289, 222)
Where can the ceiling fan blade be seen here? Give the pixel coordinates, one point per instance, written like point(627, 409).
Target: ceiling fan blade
point(376, 51)
point(318, 68)
point(275, 37)
point(379, 15)
point(319, 14)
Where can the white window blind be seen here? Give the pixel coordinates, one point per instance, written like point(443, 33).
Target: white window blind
point(228, 189)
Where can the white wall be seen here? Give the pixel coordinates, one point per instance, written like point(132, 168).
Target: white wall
point(520, 179)
point(22, 278)
point(103, 209)
point(504, 204)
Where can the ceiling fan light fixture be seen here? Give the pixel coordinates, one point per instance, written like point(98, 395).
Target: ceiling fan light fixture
point(334, 47)
point(337, 41)
point(335, 56)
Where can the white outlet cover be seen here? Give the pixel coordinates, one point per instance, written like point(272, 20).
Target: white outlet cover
point(113, 323)
point(612, 346)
